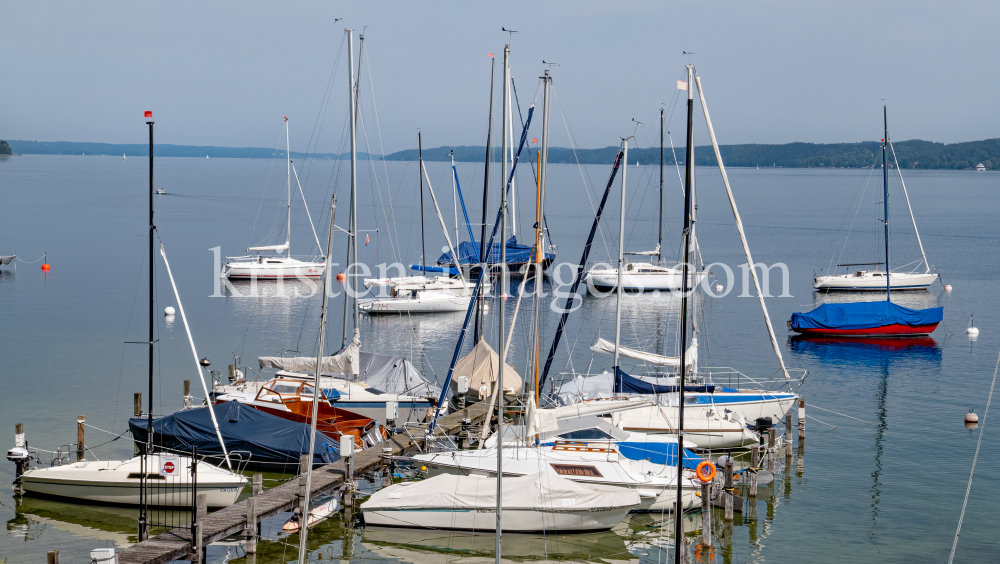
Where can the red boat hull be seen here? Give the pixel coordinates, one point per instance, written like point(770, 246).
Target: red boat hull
point(895, 330)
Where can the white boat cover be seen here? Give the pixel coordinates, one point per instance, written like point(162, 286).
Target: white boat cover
point(607, 347)
point(531, 492)
point(599, 386)
point(345, 361)
point(481, 366)
point(276, 248)
point(6, 260)
point(546, 420)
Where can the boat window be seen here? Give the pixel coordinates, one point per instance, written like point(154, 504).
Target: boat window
point(274, 262)
point(690, 399)
point(137, 475)
point(307, 391)
point(285, 388)
point(585, 434)
point(576, 470)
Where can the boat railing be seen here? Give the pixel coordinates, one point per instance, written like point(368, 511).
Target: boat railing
point(427, 441)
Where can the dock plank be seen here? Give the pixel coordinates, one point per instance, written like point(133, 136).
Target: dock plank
point(176, 544)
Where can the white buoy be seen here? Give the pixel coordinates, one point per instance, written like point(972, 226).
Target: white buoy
point(947, 287)
point(971, 331)
point(971, 417)
point(169, 310)
point(718, 287)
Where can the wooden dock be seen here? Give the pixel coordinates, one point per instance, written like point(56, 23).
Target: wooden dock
point(176, 544)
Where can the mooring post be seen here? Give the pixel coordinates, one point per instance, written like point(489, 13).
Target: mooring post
point(800, 463)
point(729, 489)
point(258, 484)
point(802, 421)
point(137, 404)
point(386, 467)
point(198, 536)
point(304, 463)
point(79, 437)
point(771, 436)
point(706, 516)
point(251, 526)
point(752, 472)
point(187, 393)
point(53, 557)
point(788, 435)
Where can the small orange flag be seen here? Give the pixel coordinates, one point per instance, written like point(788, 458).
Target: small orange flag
point(491, 55)
point(150, 114)
point(366, 240)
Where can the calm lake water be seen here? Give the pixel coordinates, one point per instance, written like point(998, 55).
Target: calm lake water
point(885, 485)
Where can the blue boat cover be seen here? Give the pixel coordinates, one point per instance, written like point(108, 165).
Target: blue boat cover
point(864, 315)
point(268, 438)
point(468, 253)
point(657, 453)
point(625, 384)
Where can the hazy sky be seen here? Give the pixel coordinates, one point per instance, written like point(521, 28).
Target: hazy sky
point(224, 73)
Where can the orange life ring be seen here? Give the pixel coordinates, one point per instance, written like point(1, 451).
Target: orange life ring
point(705, 471)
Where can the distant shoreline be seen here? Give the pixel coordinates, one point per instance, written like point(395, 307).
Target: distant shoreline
point(915, 154)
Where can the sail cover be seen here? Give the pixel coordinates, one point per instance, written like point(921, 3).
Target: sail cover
point(6, 260)
point(275, 248)
point(468, 253)
point(267, 438)
point(534, 491)
point(607, 347)
point(625, 384)
point(344, 362)
point(864, 315)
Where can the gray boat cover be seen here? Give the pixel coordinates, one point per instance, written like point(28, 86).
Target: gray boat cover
point(6, 260)
point(534, 491)
point(345, 361)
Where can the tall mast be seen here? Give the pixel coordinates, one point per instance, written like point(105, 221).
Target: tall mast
point(288, 184)
point(543, 166)
point(659, 242)
point(885, 200)
point(423, 250)
point(499, 388)
point(688, 189)
point(454, 197)
point(143, 529)
point(483, 251)
point(621, 257)
point(354, 171)
point(304, 523)
point(509, 127)
point(505, 116)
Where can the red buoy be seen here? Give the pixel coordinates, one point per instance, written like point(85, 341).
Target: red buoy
point(341, 277)
point(46, 267)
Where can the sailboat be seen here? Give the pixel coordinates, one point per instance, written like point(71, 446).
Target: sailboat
point(871, 319)
point(127, 482)
point(260, 267)
point(873, 280)
point(643, 276)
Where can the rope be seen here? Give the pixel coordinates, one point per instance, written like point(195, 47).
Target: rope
point(32, 262)
point(818, 421)
point(975, 459)
point(840, 414)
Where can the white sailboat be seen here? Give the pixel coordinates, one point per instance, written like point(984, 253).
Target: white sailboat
point(872, 280)
point(147, 480)
point(261, 267)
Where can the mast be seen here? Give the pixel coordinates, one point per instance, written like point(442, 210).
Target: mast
point(885, 201)
point(503, 292)
point(423, 250)
point(354, 171)
point(659, 242)
point(454, 197)
point(509, 132)
point(504, 145)
point(288, 184)
point(543, 166)
point(304, 522)
point(621, 257)
point(143, 530)
point(689, 169)
point(483, 251)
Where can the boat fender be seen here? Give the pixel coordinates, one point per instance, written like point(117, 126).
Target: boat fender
point(705, 471)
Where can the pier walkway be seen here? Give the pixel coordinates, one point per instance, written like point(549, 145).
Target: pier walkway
point(176, 544)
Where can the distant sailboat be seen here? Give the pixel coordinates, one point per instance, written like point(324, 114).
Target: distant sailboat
point(123, 157)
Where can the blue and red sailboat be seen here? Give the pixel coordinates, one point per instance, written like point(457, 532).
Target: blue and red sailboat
point(870, 319)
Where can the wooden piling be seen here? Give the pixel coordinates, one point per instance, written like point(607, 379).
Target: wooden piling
point(251, 529)
point(197, 535)
point(752, 473)
point(706, 516)
point(257, 487)
point(187, 393)
point(53, 557)
point(802, 420)
point(771, 435)
point(729, 489)
point(137, 404)
point(788, 434)
point(79, 437)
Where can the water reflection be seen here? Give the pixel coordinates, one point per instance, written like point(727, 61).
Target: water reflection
point(115, 526)
point(865, 351)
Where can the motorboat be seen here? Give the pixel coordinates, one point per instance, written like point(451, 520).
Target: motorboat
point(261, 267)
point(417, 301)
point(118, 481)
point(534, 503)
